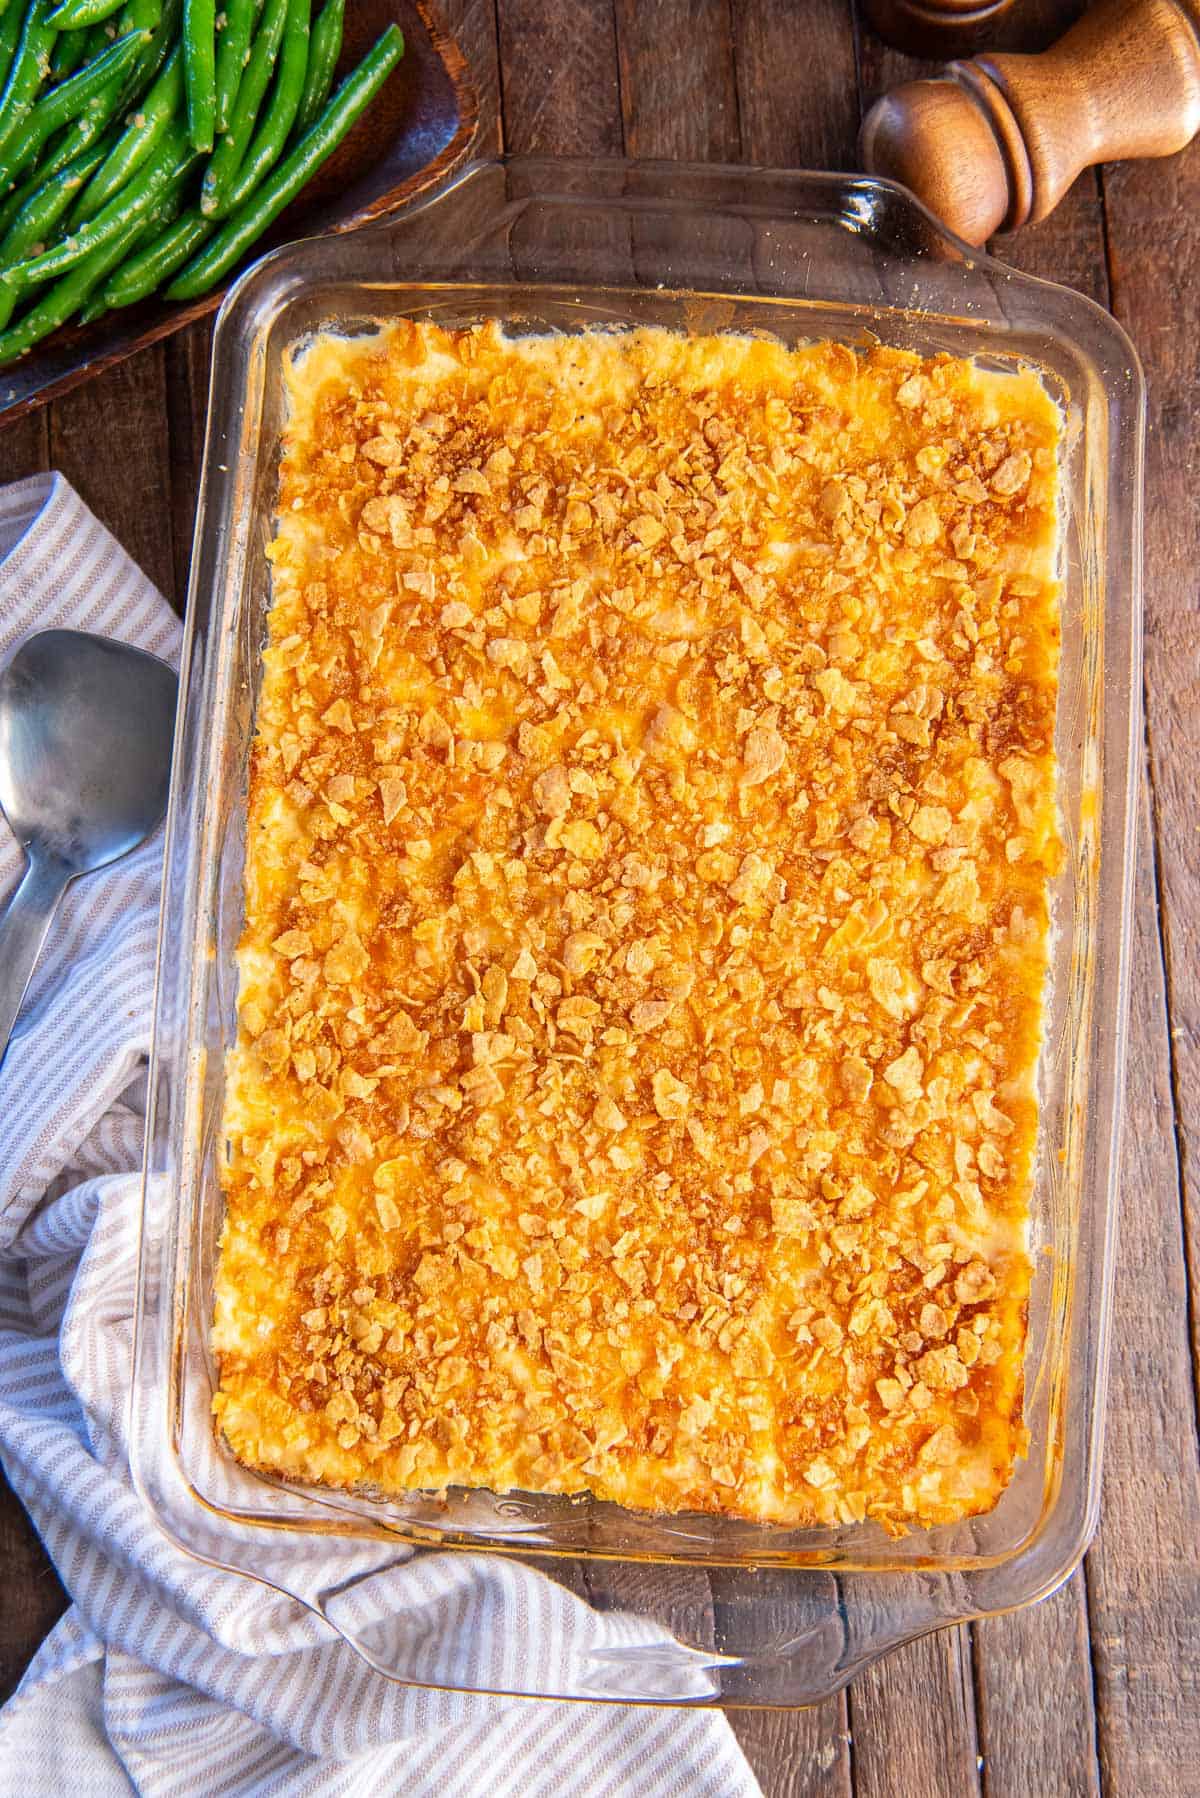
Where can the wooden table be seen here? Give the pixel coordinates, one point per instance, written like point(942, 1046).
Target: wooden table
point(1098, 1687)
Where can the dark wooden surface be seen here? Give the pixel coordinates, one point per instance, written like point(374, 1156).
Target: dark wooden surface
point(1095, 1690)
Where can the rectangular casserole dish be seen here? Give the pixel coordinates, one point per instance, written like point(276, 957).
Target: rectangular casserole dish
point(731, 1611)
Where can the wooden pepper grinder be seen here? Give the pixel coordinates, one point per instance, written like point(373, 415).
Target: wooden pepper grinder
point(993, 143)
point(935, 28)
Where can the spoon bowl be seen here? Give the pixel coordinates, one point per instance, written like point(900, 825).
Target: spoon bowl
point(86, 726)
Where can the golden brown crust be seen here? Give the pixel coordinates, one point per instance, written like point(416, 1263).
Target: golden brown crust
point(650, 832)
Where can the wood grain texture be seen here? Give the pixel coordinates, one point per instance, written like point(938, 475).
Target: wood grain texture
point(1031, 1667)
point(1154, 250)
point(1143, 1577)
point(33, 1600)
point(912, 1721)
point(472, 24)
point(1017, 1692)
point(100, 434)
point(683, 106)
point(786, 121)
point(559, 86)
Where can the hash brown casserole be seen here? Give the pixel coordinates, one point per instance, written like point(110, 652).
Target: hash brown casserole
point(650, 832)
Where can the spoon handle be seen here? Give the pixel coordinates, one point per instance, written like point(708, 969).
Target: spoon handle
point(23, 928)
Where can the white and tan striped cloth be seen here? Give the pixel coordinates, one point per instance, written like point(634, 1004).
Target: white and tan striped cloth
point(166, 1677)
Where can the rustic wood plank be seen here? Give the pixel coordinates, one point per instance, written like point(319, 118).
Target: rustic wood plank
point(472, 23)
point(110, 440)
point(797, 1754)
point(1143, 1579)
point(33, 1598)
point(797, 91)
point(559, 87)
point(912, 1721)
point(24, 448)
point(682, 106)
point(1036, 1719)
point(1153, 240)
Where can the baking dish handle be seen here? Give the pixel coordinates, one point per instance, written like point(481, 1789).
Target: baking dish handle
point(627, 1632)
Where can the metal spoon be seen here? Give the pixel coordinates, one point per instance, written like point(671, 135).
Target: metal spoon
point(85, 756)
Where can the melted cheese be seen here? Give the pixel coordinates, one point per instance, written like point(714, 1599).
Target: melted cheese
point(651, 823)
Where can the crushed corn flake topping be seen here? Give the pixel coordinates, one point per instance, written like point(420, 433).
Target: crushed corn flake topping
point(650, 831)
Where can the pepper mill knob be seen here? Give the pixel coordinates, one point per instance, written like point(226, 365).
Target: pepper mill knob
point(995, 142)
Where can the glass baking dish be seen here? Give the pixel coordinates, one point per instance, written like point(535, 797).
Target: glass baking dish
point(712, 1610)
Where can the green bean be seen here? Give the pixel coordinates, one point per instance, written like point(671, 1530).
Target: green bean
point(162, 22)
point(286, 180)
point(68, 295)
point(233, 53)
point(136, 143)
point(227, 157)
point(74, 15)
point(35, 221)
point(200, 68)
point(27, 74)
point(10, 31)
point(171, 161)
point(22, 195)
point(143, 15)
point(59, 107)
point(272, 135)
point(323, 52)
point(70, 50)
point(161, 19)
point(150, 265)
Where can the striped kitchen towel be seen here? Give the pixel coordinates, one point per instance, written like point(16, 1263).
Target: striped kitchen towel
point(165, 1676)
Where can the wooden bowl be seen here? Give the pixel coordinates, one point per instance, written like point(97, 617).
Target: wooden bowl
point(420, 127)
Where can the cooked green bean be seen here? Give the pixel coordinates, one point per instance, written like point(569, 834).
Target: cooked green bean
point(120, 91)
point(138, 140)
point(68, 295)
point(323, 52)
point(200, 69)
point(272, 135)
point(142, 15)
point(59, 107)
point(36, 219)
point(170, 162)
point(70, 50)
point(150, 265)
point(161, 19)
point(10, 31)
point(22, 195)
point(227, 157)
point(30, 66)
point(298, 167)
point(74, 15)
point(233, 53)
point(110, 110)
